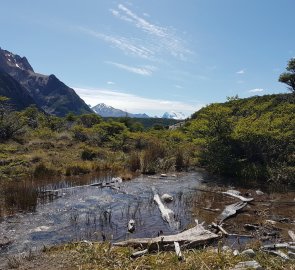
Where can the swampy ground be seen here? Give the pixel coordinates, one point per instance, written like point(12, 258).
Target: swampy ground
point(50, 233)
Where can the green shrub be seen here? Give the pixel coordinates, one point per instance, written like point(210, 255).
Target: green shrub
point(76, 170)
point(41, 170)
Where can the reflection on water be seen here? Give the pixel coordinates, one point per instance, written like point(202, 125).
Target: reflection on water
point(23, 196)
point(34, 216)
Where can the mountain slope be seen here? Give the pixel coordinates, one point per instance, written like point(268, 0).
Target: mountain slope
point(108, 111)
point(53, 96)
point(19, 97)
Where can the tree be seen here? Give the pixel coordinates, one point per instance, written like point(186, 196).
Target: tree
point(289, 77)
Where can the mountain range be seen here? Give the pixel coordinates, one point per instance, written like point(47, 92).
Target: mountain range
point(109, 111)
point(24, 87)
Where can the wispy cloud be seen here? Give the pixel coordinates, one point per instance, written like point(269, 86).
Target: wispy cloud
point(142, 70)
point(128, 46)
point(256, 90)
point(110, 83)
point(165, 38)
point(133, 103)
point(178, 86)
point(242, 71)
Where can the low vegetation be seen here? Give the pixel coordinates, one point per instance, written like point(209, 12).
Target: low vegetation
point(251, 139)
point(34, 144)
point(104, 256)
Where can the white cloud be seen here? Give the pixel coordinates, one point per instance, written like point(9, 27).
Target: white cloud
point(163, 38)
point(110, 83)
point(256, 90)
point(178, 86)
point(143, 70)
point(242, 71)
point(128, 46)
point(133, 103)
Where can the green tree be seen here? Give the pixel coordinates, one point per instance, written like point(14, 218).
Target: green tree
point(289, 77)
point(89, 120)
point(10, 123)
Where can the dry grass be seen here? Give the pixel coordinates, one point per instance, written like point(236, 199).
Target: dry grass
point(105, 256)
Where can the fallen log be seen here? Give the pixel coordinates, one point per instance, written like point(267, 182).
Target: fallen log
point(230, 210)
point(166, 213)
point(191, 238)
point(236, 194)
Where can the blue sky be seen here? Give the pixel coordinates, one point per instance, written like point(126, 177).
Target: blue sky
point(154, 56)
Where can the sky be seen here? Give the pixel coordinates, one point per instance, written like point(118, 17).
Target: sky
point(153, 56)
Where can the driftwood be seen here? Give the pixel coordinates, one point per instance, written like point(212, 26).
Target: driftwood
point(237, 194)
point(178, 251)
point(166, 213)
point(288, 245)
point(57, 192)
point(194, 237)
point(216, 226)
point(139, 253)
point(230, 210)
point(292, 235)
point(211, 209)
point(278, 253)
point(247, 265)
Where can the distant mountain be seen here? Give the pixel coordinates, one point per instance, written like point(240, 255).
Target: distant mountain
point(174, 115)
point(108, 111)
point(49, 93)
point(19, 97)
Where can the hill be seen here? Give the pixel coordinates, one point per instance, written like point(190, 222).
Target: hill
point(252, 138)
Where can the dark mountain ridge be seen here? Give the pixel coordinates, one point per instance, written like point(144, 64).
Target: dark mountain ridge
point(49, 93)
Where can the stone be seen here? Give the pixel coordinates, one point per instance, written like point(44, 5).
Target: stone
point(167, 198)
point(248, 252)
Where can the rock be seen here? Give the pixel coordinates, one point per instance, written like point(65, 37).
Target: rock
point(131, 225)
point(247, 265)
point(259, 192)
point(236, 252)
point(167, 198)
point(249, 252)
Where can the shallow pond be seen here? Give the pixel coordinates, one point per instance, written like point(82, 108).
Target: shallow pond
point(31, 218)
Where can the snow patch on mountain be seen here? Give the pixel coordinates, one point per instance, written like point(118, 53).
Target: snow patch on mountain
point(174, 115)
point(109, 111)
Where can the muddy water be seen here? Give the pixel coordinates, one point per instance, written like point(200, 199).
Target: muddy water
point(31, 219)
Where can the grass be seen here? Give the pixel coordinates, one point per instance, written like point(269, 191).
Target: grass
point(104, 256)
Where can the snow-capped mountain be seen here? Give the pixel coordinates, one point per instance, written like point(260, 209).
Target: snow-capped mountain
point(174, 115)
point(109, 111)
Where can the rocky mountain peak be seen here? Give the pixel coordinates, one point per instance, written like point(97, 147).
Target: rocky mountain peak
point(9, 60)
